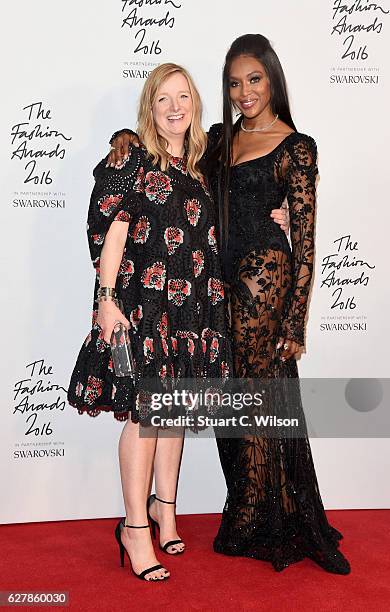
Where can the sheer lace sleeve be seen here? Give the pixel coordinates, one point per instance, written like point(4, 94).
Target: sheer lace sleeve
point(115, 197)
point(300, 176)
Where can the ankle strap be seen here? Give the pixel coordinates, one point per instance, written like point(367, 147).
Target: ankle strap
point(136, 526)
point(164, 501)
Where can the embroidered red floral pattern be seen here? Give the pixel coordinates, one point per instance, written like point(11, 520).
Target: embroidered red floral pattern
point(154, 276)
point(141, 230)
point(136, 316)
point(198, 260)
point(109, 203)
point(212, 239)
point(126, 271)
point(139, 180)
point(93, 390)
point(193, 208)
point(178, 290)
point(173, 237)
point(158, 186)
point(215, 290)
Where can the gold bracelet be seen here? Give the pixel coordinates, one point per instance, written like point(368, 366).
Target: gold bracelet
point(106, 292)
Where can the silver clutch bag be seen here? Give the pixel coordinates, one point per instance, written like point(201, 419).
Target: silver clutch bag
point(122, 354)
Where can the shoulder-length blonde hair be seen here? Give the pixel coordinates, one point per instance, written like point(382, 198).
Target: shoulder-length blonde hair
point(155, 144)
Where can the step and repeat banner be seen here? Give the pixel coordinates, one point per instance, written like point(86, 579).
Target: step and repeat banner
point(73, 74)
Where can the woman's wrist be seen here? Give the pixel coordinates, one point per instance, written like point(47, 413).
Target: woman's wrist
point(107, 303)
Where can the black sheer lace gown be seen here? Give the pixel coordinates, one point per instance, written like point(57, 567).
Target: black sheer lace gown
point(273, 509)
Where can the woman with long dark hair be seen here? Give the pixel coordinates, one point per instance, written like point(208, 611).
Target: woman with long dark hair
point(273, 509)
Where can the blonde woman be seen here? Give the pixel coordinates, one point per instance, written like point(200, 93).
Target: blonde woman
point(151, 231)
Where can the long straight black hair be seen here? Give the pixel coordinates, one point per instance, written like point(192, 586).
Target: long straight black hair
point(259, 47)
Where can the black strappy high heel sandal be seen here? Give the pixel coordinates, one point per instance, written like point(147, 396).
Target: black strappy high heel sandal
point(122, 551)
point(155, 524)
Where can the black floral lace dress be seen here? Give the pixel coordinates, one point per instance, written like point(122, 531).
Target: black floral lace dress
point(273, 509)
point(169, 282)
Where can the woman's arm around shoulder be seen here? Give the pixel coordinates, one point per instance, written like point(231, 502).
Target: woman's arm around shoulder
point(121, 142)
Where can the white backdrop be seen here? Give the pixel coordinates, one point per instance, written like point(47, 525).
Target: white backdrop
point(75, 71)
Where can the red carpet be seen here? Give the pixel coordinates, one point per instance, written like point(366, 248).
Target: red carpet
point(81, 557)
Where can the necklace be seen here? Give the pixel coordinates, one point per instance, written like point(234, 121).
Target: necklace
point(262, 129)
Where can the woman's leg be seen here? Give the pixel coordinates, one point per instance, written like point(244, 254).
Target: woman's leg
point(136, 455)
point(166, 470)
point(274, 509)
point(254, 465)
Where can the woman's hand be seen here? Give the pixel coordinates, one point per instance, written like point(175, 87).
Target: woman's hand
point(290, 348)
point(119, 152)
point(108, 315)
point(281, 217)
